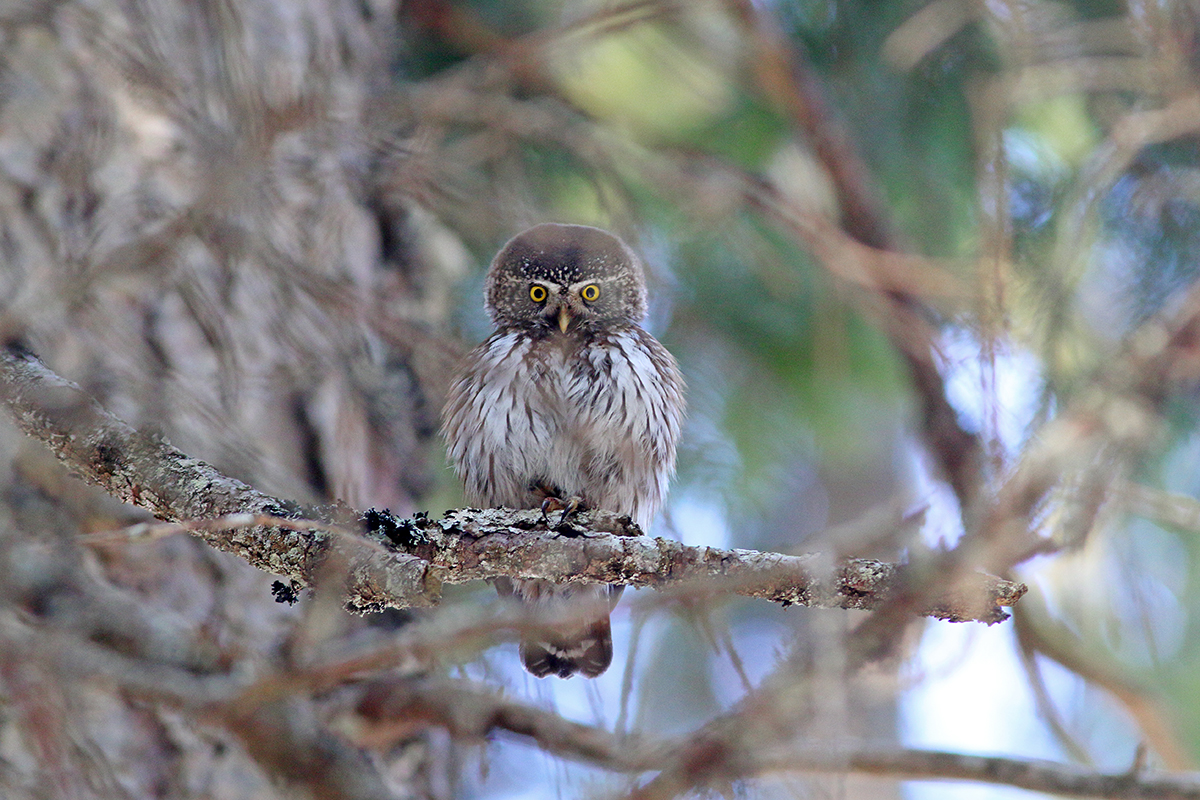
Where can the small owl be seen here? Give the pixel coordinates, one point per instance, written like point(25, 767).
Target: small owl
point(568, 402)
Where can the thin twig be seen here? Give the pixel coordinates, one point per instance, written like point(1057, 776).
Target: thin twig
point(393, 710)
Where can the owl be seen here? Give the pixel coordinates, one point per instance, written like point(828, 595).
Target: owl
point(569, 403)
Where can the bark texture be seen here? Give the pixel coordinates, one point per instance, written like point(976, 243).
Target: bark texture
point(403, 563)
point(191, 230)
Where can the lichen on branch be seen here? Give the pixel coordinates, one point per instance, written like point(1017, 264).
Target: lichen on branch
point(391, 562)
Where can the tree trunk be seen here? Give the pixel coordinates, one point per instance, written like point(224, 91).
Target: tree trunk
point(190, 231)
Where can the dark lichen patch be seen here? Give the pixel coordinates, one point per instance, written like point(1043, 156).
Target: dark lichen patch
point(286, 592)
point(567, 530)
point(404, 533)
point(381, 522)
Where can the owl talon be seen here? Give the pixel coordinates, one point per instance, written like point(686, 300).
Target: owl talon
point(571, 505)
point(568, 507)
point(550, 504)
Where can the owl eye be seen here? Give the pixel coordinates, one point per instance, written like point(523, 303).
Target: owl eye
point(537, 293)
point(591, 292)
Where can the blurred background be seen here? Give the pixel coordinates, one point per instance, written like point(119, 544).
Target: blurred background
point(929, 269)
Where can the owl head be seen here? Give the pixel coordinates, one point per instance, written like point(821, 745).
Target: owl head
point(569, 277)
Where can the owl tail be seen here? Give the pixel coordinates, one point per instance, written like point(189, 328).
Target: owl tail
point(588, 650)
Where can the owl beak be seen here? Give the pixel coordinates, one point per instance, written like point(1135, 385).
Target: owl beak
point(564, 318)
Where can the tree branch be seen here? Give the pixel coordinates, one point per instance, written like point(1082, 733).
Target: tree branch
point(604, 547)
point(404, 562)
point(150, 473)
point(394, 709)
point(1035, 775)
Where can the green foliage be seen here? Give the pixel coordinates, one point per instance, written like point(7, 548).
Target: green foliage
point(995, 146)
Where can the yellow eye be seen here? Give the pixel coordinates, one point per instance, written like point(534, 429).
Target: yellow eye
point(591, 292)
point(537, 293)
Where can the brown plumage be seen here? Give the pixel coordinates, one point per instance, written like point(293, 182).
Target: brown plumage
point(569, 398)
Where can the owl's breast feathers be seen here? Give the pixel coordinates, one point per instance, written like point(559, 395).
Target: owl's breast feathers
point(596, 415)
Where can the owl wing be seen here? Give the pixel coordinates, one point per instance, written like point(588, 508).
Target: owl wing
point(494, 436)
